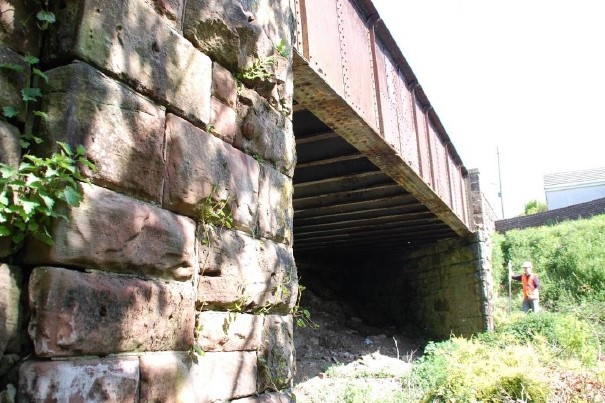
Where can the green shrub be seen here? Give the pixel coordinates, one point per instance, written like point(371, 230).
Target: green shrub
point(566, 336)
point(356, 394)
point(499, 267)
point(474, 370)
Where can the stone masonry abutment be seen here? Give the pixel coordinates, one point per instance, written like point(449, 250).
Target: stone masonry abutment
point(175, 102)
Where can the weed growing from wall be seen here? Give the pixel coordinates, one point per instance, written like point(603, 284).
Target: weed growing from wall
point(30, 193)
point(282, 48)
point(196, 351)
point(302, 316)
point(261, 69)
point(213, 212)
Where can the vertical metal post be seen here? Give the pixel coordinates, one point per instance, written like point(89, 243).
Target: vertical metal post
point(510, 274)
point(304, 29)
point(371, 24)
point(500, 182)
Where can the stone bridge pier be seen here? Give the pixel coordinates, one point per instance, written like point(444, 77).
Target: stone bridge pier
point(230, 108)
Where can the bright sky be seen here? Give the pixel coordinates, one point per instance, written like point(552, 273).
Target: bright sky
point(526, 77)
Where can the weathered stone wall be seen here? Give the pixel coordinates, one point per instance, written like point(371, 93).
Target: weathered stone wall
point(437, 291)
point(484, 216)
point(134, 285)
point(443, 289)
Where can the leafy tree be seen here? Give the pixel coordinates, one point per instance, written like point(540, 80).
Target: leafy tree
point(534, 207)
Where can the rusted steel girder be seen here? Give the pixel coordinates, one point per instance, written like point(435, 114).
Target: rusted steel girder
point(346, 75)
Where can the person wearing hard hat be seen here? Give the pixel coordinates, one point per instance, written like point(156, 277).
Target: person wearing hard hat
point(531, 286)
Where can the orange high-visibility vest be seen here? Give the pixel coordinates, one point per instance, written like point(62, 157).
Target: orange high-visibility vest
point(529, 289)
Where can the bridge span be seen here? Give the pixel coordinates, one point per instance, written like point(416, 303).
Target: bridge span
point(376, 168)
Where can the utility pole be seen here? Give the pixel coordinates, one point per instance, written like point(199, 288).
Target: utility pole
point(500, 182)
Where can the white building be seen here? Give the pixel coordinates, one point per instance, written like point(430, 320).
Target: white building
point(568, 188)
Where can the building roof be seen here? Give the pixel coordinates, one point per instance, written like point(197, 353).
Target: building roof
point(574, 178)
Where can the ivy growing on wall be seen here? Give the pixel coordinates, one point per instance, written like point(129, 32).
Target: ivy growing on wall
point(32, 192)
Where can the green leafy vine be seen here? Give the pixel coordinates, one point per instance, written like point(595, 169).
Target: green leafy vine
point(31, 192)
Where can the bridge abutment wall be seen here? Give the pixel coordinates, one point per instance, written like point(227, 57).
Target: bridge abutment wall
point(435, 291)
point(443, 289)
point(183, 106)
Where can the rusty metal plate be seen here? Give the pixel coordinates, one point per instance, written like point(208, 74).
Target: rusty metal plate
point(297, 41)
point(442, 185)
point(465, 203)
point(424, 150)
point(460, 190)
point(407, 130)
point(455, 183)
point(324, 41)
point(357, 63)
point(390, 128)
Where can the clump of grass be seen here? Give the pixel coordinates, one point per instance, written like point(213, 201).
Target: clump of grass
point(367, 392)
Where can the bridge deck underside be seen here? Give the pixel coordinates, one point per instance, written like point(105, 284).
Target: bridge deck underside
point(342, 201)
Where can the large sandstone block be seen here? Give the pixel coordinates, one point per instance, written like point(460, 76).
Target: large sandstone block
point(277, 21)
point(226, 32)
point(223, 121)
point(87, 380)
point(171, 10)
point(170, 377)
point(229, 331)
point(77, 313)
point(10, 309)
point(275, 211)
point(246, 274)
point(113, 232)
point(266, 132)
point(130, 40)
point(122, 131)
point(243, 35)
point(276, 355)
point(10, 149)
point(275, 17)
point(18, 28)
point(199, 164)
point(12, 81)
point(224, 86)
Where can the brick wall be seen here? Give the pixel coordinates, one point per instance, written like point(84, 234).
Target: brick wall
point(577, 211)
point(133, 284)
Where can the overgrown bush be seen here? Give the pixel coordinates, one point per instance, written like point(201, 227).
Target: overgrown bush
point(514, 363)
point(556, 335)
point(473, 370)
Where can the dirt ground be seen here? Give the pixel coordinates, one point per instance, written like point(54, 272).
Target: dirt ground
point(342, 340)
point(343, 352)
